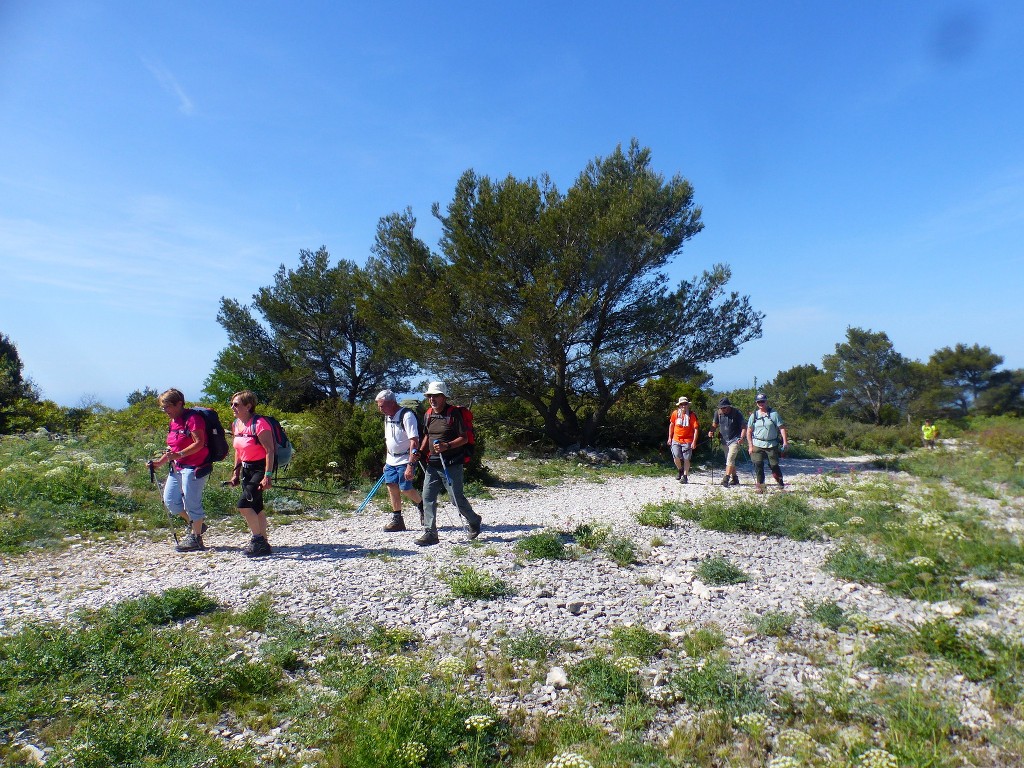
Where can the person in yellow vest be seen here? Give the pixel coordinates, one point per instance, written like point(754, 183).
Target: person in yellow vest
point(929, 433)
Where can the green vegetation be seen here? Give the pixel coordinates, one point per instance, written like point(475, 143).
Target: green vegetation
point(772, 623)
point(638, 641)
point(656, 515)
point(474, 584)
point(547, 545)
point(718, 571)
point(777, 514)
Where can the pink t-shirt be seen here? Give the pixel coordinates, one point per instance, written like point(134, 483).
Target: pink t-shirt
point(247, 443)
point(179, 438)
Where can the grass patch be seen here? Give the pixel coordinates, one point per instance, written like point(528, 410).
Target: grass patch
point(638, 641)
point(546, 545)
point(621, 549)
point(591, 535)
point(472, 583)
point(605, 681)
point(656, 515)
point(718, 571)
point(786, 515)
point(713, 683)
point(530, 644)
point(828, 613)
point(772, 623)
point(704, 641)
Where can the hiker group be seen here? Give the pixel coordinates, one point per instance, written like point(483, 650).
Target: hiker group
point(764, 432)
point(196, 439)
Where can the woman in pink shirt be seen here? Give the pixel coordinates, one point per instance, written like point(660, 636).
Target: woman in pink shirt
point(186, 453)
point(254, 462)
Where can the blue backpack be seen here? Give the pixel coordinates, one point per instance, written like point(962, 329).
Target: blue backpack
point(283, 448)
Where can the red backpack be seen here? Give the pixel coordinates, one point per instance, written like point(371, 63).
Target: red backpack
point(467, 423)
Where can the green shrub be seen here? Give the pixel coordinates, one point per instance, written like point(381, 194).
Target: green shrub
point(391, 639)
point(474, 584)
point(592, 535)
point(638, 641)
point(704, 641)
point(1005, 439)
point(718, 571)
point(530, 644)
point(828, 613)
point(621, 549)
point(546, 545)
point(778, 515)
point(713, 683)
point(656, 515)
point(772, 623)
point(604, 681)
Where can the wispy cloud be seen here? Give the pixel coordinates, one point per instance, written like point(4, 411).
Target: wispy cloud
point(170, 83)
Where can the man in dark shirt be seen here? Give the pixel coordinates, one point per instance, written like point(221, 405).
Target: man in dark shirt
point(445, 435)
point(732, 426)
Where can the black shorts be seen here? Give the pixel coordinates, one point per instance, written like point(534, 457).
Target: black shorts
point(252, 495)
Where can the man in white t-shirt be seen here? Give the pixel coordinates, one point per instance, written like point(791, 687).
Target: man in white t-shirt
point(402, 434)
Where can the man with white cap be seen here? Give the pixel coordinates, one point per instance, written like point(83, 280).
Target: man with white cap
point(446, 444)
point(683, 435)
point(402, 435)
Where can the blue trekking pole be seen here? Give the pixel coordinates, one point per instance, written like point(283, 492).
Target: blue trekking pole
point(370, 495)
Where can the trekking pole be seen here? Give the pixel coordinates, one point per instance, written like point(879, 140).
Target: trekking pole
point(370, 495)
point(714, 451)
point(290, 488)
point(170, 518)
point(448, 486)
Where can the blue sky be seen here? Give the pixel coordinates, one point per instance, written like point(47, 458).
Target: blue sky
point(857, 163)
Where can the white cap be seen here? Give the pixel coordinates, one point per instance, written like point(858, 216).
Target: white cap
point(436, 388)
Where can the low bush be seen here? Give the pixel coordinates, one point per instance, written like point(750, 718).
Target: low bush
point(656, 515)
point(638, 641)
point(718, 571)
point(475, 584)
point(547, 545)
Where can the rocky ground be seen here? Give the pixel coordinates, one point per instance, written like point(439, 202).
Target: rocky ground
point(346, 568)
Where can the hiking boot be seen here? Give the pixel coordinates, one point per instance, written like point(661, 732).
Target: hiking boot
point(735, 479)
point(759, 487)
point(420, 508)
point(258, 546)
point(427, 538)
point(684, 479)
point(397, 523)
point(474, 530)
point(780, 484)
point(679, 475)
point(725, 481)
point(191, 543)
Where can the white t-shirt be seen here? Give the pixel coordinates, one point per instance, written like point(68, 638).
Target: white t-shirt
point(398, 429)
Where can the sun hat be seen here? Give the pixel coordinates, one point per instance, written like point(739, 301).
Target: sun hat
point(682, 400)
point(436, 388)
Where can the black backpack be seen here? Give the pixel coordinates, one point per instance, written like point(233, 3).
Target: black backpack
point(216, 439)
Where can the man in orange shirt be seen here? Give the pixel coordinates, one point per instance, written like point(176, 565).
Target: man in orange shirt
point(683, 432)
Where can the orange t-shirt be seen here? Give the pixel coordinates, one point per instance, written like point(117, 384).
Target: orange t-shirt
point(684, 426)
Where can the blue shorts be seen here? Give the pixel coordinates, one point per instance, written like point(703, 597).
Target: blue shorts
point(394, 475)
